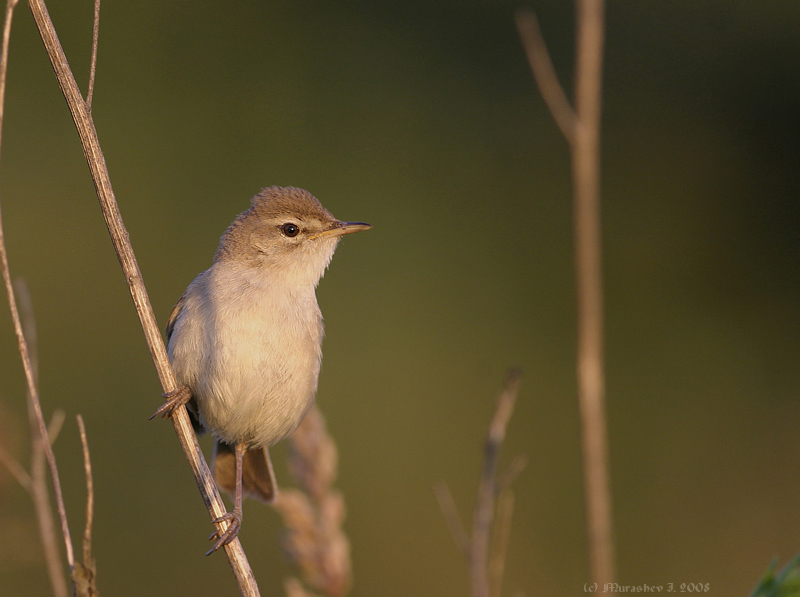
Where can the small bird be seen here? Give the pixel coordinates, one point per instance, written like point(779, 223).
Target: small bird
point(245, 339)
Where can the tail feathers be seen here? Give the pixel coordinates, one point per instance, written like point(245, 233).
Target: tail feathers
point(258, 480)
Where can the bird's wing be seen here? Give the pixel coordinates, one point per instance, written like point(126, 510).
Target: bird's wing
point(191, 406)
point(173, 317)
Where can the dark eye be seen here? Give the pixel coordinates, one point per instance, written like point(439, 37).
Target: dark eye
point(290, 229)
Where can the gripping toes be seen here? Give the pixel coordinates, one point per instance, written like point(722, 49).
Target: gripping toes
point(234, 520)
point(175, 398)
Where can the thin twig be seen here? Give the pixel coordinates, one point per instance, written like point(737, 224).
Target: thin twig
point(39, 491)
point(487, 562)
point(40, 494)
point(10, 5)
point(545, 73)
point(122, 246)
point(56, 423)
point(87, 467)
point(451, 517)
point(502, 532)
point(588, 261)
point(16, 469)
point(21, 342)
point(35, 484)
point(93, 65)
point(508, 476)
point(85, 574)
point(23, 295)
point(484, 507)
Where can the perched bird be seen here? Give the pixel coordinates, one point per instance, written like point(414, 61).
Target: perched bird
point(245, 339)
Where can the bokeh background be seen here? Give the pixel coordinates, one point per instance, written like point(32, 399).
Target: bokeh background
point(422, 118)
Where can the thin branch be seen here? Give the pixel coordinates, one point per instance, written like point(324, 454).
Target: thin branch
point(545, 73)
point(21, 342)
point(583, 136)
point(502, 532)
point(508, 476)
point(39, 491)
point(93, 65)
point(40, 494)
point(28, 324)
point(451, 517)
point(484, 507)
point(85, 574)
point(56, 423)
point(87, 467)
point(122, 246)
point(487, 563)
point(588, 263)
point(16, 469)
point(10, 5)
point(35, 484)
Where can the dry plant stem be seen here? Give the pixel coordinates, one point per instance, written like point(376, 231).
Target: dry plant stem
point(502, 531)
point(84, 577)
point(544, 73)
point(16, 469)
point(35, 484)
point(584, 140)
point(39, 491)
point(119, 236)
point(451, 517)
point(93, 64)
point(40, 495)
point(87, 467)
point(23, 296)
point(586, 200)
point(508, 476)
point(487, 489)
point(21, 342)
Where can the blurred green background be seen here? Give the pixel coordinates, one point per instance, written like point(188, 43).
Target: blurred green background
point(422, 118)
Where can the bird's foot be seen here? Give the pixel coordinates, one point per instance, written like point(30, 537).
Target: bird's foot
point(177, 397)
point(223, 537)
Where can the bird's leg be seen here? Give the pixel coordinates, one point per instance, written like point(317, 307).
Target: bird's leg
point(234, 518)
point(175, 398)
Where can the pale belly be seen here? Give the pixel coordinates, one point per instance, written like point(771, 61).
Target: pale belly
point(252, 367)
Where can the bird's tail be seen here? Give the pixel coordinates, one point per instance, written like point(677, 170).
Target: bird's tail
point(258, 480)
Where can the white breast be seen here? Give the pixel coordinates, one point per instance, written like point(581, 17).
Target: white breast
point(250, 351)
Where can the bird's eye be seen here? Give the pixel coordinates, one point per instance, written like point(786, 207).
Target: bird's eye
point(290, 229)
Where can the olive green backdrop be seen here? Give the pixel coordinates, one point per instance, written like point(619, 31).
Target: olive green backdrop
point(423, 119)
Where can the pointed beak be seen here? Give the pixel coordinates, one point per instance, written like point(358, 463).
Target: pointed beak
point(339, 228)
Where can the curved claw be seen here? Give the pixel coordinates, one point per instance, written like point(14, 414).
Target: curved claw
point(175, 398)
point(234, 520)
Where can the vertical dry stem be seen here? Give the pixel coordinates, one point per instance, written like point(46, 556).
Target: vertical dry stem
point(485, 547)
point(85, 574)
point(584, 139)
point(502, 532)
point(487, 489)
point(586, 193)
